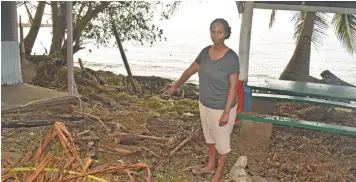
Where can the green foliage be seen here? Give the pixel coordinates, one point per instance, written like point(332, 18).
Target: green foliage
point(320, 25)
point(133, 19)
point(345, 29)
point(344, 26)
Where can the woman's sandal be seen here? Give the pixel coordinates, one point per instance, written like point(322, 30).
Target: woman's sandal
point(198, 171)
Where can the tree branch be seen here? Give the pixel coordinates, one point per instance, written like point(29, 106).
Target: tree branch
point(80, 25)
point(30, 18)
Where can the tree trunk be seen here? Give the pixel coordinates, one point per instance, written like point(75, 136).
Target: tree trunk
point(298, 66)
point(22, 46)
point(58, 28)
point(59, 43)
point(124, 59)
point(32, 34)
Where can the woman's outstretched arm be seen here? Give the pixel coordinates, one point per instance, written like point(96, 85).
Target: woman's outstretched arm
point(193, 68)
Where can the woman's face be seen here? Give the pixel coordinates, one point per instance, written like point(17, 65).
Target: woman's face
point(217, 33)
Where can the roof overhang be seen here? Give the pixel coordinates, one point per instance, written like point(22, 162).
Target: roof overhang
point(345, 7)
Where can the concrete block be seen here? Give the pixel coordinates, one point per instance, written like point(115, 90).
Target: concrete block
point(255, 134)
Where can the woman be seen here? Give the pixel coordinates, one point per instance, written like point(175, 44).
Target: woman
point(218, 69)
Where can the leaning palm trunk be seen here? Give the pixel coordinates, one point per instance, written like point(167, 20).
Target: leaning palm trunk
point(298, 66)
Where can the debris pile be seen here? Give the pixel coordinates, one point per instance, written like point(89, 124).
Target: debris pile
point(44, 165)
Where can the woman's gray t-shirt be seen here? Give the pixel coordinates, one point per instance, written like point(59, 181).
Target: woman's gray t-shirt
point(214, 81)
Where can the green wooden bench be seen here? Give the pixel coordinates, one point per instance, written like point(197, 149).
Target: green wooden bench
point(300, 123)
point(259, 128)
point(303, 89)
point(299, 99)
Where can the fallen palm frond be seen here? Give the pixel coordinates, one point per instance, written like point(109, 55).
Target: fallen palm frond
point(45, 166)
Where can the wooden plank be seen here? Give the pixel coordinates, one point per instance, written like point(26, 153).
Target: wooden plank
point(297, 99)
point(346, 130)
point(305, 89)
point(310, 8)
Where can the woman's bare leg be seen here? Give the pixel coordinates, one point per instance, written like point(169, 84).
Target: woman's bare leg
point(220, 169)
point(211, 160)
point(212, 156)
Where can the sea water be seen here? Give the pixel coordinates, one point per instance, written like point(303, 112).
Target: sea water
point(187, 33)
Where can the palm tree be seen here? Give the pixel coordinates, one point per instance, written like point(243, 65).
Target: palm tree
point(174, 8)
point(309, 29)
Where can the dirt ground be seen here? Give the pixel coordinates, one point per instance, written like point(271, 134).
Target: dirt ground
point(294, 154)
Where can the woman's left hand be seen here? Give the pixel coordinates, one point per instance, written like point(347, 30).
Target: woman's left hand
point(224, 119)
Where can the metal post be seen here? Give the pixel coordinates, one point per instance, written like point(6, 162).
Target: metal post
point(69, 18)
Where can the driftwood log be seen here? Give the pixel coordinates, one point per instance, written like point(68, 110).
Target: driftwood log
point(329, 78)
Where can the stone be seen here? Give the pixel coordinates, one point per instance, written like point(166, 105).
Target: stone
point(188, 114)
point(239, 175)
point(241, 162)
point(91, 143)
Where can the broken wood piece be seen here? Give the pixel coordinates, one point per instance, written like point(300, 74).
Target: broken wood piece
point(181, 145)
point(353, 155)
point(82, 133)
point(143, 136)
point(117, 148)
point(148, 150)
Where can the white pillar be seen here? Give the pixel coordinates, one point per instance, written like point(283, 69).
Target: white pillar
point(245, 38)
point(10, 52)
point(69, 17)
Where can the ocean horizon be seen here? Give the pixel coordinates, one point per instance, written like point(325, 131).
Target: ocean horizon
point(187, 33)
